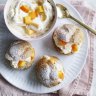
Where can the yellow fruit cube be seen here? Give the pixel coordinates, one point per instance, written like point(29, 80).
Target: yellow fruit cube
point(32, 14)
point(61, 75)
point(43, 16)
point(35, 24)
point(62, 42)
point(21, 64)
point(27, 20)
point(33, 54)
point(25, 8)
point(30, 31)
point(53, 59)
point(36, 11)
point(74, 47)
point(40, 9)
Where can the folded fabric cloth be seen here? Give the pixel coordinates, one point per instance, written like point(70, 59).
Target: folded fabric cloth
point(81, 85)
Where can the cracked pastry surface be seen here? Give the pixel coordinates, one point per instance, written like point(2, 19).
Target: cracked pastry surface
point(49, 71)
point(68, 38)
point(20, 54)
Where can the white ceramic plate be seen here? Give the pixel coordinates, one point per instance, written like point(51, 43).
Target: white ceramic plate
point(26, 79)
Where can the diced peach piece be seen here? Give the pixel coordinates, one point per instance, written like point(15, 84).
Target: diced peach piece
point(35, 24)
point(30, 31)
point(62, 42)
point(74, 47)
point(53, 59)
point(32, 14)
point(33, 54)
point(36, 11)
point(43, 16)
point(27, 20)
point(40, 9)
point(25, 8)
point(21, 64)
point(61, 75)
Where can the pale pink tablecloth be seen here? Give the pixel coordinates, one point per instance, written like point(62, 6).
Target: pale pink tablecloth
point(81, 85)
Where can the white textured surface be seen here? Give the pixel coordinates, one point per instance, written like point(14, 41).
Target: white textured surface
point(92, 3)
point(93, 87)
point(22, 80)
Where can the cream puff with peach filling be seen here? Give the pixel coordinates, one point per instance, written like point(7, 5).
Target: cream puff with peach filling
point(68, 38)
point(20, 54)
point(50, 71)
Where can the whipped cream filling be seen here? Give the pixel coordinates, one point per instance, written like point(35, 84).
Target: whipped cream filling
point(67, 48)
point(15, 62)
point(16, 16)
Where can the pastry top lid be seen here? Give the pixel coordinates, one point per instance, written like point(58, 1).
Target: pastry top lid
point(20, 50)
point(65, 32)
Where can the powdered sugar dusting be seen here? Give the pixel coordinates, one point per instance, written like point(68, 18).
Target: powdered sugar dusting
point(48, 72)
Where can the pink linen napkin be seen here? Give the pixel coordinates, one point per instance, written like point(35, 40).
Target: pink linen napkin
point(81, 85)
